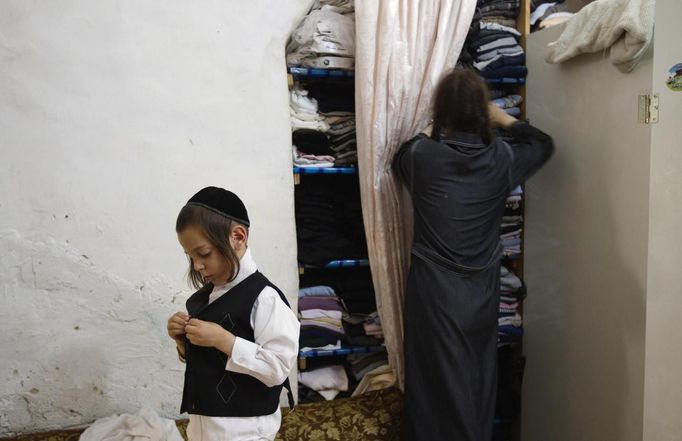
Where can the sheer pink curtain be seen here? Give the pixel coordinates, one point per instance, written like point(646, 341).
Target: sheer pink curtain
point(402, 49)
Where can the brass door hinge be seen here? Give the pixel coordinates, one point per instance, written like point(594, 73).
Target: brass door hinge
point(648, 109)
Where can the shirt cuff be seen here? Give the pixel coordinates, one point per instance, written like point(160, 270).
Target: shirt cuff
point(182, 359)
point(242, 351)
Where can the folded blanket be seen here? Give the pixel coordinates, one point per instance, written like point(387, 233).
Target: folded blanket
point(508, 101)
point(321, 313)
point(316, 291)
point(625, 26)
point(380, 378)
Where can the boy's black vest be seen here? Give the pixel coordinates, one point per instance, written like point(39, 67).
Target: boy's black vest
point(211, 390)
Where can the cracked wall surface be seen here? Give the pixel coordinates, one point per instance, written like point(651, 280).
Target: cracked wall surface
point(113, 114)
point(79, 342)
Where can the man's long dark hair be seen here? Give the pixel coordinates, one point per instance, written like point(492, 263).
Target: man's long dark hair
point(460, 104)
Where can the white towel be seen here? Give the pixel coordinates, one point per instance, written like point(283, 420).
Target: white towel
point(625, 26)
point(328, 381)
point(145, 426)
point(320, 313)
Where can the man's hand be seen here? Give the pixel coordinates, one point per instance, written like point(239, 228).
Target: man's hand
point(499, 118)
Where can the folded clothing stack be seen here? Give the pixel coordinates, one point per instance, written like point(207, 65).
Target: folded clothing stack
point(363, 330)
point(514, 201)
point(492, 44)
point(337, 106)
point(342, 139)
point(512, 224)
point(310, 142)
point(325, 39)
point(510, 323)
point(323, 320)
point(303, 111)
point(320, 312)
point(305, 160)
point(502, 12)
point(509, 103)
point(497, 53)
point(376, 379)
point(329, 220)
point(362, 364)
point(323, 124)
point(510, 234)
point(511, 243)
point(311, 148)
point(373, 327)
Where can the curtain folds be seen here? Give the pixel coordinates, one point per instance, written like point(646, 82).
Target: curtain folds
point(403, 47)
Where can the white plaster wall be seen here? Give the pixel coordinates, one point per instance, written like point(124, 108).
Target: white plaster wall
point(111, 115)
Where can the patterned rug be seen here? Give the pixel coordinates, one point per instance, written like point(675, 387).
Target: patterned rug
point(374, 416)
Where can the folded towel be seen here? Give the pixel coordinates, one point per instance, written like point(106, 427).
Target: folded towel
point(328, 381)
point(625, 26)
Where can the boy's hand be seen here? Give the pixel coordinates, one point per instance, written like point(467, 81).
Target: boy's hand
point(209, 334)
point(176, 326)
